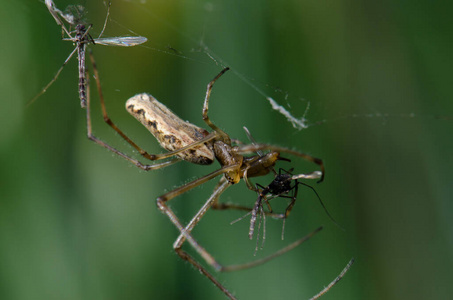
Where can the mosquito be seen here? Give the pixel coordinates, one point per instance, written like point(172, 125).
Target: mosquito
point(81, 38)
point(284, 185)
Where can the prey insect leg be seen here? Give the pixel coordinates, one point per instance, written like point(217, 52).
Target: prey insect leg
point(53, 79)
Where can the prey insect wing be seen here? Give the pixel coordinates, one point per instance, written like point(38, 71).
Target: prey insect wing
point(81, 39)
point(125, 41)
point(56, 14)
point(121, 41)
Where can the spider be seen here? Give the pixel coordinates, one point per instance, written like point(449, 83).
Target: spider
point(185, 141)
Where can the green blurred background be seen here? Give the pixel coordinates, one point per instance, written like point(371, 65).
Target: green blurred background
point(76, 222)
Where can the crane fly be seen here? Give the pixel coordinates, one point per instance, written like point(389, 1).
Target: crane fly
point(81, 38)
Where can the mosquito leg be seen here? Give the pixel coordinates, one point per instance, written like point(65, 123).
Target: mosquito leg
point(288, 210)
point(255, 211)
point(269, 207)
point(106, 19)
point(54, 11)
point(263, 215)
point(53, 79)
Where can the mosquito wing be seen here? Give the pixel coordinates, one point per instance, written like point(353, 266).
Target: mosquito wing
point(124, 41)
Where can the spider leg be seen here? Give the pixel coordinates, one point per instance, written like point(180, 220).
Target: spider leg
point(161, 204)
point(112, 149)
point(218, 190)
point(185, 232)
point(184, 255)
point(256, 147)
point(152, 157)
point(312, 175)
point(224, 136)
point(272, 256)
point(224, 206)
point(248, 182)
point(259, 153)
point(335, 281)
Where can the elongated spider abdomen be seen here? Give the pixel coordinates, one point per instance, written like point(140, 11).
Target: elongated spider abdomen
point(171, 132)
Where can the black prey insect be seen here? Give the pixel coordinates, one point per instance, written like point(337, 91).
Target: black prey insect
point(284, 185)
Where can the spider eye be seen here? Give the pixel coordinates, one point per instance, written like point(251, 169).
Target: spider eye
point(233, 177)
